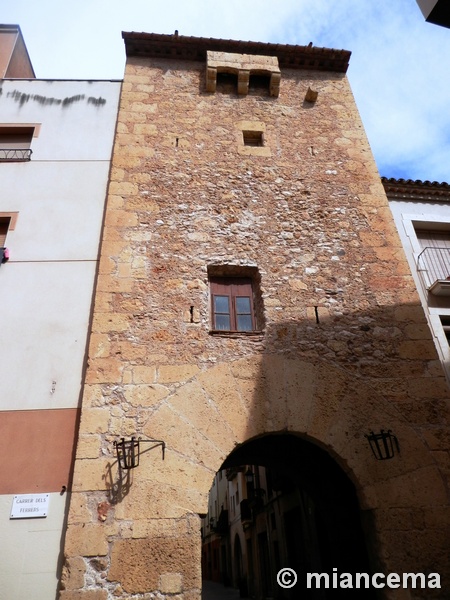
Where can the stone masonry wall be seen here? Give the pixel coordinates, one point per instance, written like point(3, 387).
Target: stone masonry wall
point(344, 349)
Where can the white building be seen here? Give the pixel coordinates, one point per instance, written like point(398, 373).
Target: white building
point(55, 149)
point(421, 213)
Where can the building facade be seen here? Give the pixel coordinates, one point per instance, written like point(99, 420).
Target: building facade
point(245, 507)
point(254, 306)
point(435, 11)
point(55, 152)
point(14, 59)
point(422, 216)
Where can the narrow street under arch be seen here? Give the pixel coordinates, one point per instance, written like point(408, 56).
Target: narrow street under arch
point(278, 502)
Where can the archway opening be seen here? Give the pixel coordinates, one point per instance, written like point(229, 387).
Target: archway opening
point(278, 502)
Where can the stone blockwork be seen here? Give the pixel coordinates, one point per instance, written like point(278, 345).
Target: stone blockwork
point(343, 349)
point(242, 65)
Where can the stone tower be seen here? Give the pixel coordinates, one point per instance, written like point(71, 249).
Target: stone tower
point(252, 289)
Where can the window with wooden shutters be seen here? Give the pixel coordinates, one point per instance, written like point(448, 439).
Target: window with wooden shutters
point(232, 304)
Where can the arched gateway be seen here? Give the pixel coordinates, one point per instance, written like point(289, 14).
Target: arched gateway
point(289, 505)
point(251, 285)
point(150, 539)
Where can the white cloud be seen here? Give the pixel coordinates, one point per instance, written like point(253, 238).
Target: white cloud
point(396, 76)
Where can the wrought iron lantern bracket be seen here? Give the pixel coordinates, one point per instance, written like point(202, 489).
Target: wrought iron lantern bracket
point(128, 451)
point(383, 444)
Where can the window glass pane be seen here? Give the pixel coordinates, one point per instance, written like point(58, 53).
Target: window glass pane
point(223, 322)
point(221, 304)
point(232, 308)
point(243, 305)
point(244, 322)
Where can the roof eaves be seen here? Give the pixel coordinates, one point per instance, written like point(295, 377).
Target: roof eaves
point(416, 189)
point(194, 48)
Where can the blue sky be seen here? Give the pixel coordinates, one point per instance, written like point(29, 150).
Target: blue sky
point(398, 69)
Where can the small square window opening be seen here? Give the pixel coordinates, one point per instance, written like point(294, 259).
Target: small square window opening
point(227, 83)
point(259, 84)
point(253, 138)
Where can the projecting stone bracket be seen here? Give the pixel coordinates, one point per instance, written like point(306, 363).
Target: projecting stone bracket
point(243, 65)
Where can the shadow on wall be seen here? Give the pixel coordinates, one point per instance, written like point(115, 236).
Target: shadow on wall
point(316, 392)
point(303, 403)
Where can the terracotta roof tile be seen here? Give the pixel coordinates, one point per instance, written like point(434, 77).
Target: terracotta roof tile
point(416, 189)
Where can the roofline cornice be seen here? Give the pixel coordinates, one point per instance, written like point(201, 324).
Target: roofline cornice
point(416, 189)
point(194, 48)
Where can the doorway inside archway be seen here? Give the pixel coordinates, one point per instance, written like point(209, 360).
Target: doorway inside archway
point(278, 502)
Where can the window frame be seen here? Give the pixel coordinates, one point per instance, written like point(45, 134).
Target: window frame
point(232, 287)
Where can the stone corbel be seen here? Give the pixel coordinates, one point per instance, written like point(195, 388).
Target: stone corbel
point(243, 81)
point(243, 65)
point(211, 79)
point(275, 80)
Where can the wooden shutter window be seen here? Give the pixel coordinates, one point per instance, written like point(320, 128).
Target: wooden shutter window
point(435, 255)
point(232, 304)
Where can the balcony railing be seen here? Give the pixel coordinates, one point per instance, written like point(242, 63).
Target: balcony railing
point(15, 154)
point(220, 525)
point(433, 266)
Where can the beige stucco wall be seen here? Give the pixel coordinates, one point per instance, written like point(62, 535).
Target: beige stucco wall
point(308, 210)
